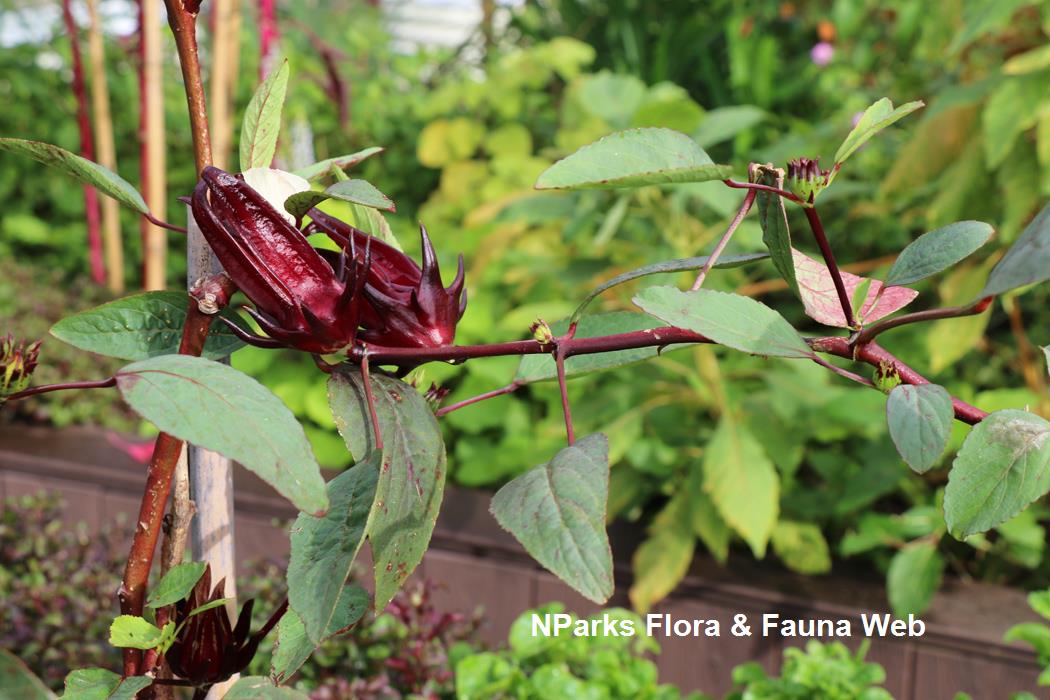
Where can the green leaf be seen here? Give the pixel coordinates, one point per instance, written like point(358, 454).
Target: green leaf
point(557, 512)
point(875, 118)
point(724, 123)
point(323, 549)
point(772, 217)
point(679, 265)
point(216, 407)
point(133, 632)
point(375, 224)
point(1039, 601)
point(742, 483)
point(294, 647)
point(938, 250)
point(261, 688)
point(732, 320)
point(218, 602)
point(90, 173)
point(412, 476)
point(322, 168)
point(1032, 633)
point(1027, 261)
point(17, 681)
point(802, 547)
point(102, 684)
point(262, 120)
point(143, 326)
point(633, 158)
point(1029, 61)
point(914, 576)
point(1046, 352)
point(920, 421)
point(536, 368)
point(1002, 467)
point(662, 560)
point(708, 525)
point(355, 191)
point(176, 584)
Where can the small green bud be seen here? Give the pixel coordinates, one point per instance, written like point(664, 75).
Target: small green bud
point(17, 362)
point(886, 378)
point(805, 178)
point(541, 332)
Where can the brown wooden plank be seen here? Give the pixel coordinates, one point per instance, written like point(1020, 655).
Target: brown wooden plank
point(83, 501)
point(940, 674)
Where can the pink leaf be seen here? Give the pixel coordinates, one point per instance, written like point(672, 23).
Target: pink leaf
point(822, 303)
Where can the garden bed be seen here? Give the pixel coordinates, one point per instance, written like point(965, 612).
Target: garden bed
point(479, 564)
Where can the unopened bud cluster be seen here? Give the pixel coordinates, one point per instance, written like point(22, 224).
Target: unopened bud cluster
point(17, 362)
point(805, 178)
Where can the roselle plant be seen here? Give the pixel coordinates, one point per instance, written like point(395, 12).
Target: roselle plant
point(368, 314)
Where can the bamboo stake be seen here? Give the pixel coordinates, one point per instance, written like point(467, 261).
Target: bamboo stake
point(225, 54)
point(112, 246)
point(154, 238)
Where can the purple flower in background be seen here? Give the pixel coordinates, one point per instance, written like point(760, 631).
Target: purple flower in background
point(822, 53)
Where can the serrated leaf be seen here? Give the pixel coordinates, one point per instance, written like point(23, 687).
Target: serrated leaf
point(323, 549)
point(17, 681)
point(875, 118)
point(294, 647)
point(821, 301)
point(667, 266)
point(802, 547)
point(772, 217)
point(920, 422)
point(914, 576)
point(557, 512)
point(359, 192)
point(262, 120)
point(662, 560)
point(89, 172)
point(938, 250)
point(633, 158)
point(176, 584)
point(134, 632)
point(322, 168)
point(143, 326)
point(707, 524)
point(1026, 262)
point(742, 483)
point(411, 479)
point(261, 688)
point(216, 407)
point(1003, 465)
point(102, 684)
point(732, 320)
point(536, 368)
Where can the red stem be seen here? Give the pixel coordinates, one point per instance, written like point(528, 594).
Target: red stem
point(509, 389)
point(87, 149)
point(765, 188)
point(745, 207)
point(63, 386)
point(829, 260)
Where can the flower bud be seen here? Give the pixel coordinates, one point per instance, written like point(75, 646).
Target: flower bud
point(805, 178)
point(541, 332)
point(886, 377)
point(17, 362)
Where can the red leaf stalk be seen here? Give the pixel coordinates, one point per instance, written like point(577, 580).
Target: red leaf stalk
point(87, 149)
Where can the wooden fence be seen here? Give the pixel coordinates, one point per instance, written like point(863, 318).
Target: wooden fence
point(476, 563)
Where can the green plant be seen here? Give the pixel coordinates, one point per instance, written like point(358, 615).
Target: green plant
point(1036, 634)
point(564, 665)
point(825, 671)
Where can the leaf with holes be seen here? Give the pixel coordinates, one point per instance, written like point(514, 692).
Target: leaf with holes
point(324, 167)
point(324, 548)
point(359, 192)
point(821, 301)
point(294, 646)
point(557, 512)
point(262, 120)
point(938, 250)
point(89, 172)
point(742, 483)
point(667, 266)
point(102, 684)
point(218, 408)
point(143, 326)
point(920, 421)
point(411, 478)
point(1003, 465)
point(732, 320)
point(176, 584)
point(875, 118)
point(633, 158)
point(772, 217)
point(1027, 261)
point(134, 632)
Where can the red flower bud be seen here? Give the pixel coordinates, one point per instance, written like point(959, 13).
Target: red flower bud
point(17, 362)
point(304, 298)
point(408, 306)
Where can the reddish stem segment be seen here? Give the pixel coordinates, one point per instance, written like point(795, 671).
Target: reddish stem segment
point(63, 386)
point(183, 25)
point(503, 390)
point(745, 207)
point(870, 333)
point(87, 149)
point(559, 362)
point(829, 260)
point(765, 188)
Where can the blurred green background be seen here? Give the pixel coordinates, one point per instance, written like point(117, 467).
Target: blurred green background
point(467, 129)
